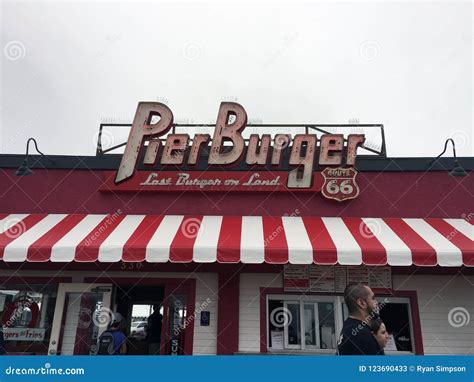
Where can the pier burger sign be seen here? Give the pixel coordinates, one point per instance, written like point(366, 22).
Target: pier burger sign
point(170, 163)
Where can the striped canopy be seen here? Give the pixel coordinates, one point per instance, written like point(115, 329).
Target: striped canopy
point(236, 239)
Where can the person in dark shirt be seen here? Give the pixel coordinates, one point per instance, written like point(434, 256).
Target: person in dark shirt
point(380, 333)
point(153, 333)
point(356, 337)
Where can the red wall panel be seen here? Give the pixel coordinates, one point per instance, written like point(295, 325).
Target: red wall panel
point(395, 194)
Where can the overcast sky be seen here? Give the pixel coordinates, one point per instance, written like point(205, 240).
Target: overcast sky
point(67, 66)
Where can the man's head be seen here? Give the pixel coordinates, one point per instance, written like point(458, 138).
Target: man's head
point(116, 321)
point(360, 300)
point(156, 307)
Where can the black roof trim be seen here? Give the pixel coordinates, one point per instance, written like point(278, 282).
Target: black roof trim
point(112, 161)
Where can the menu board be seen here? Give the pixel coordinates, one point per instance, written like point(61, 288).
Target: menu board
point(296, 278)
point(340, 276)
point(333, 279)
point(358, 274)
point(321, 279)
point(380, 278)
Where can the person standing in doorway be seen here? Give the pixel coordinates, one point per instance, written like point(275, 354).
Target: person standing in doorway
point(153, 333)
point(356, 337)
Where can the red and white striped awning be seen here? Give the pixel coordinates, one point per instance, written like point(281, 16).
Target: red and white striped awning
point(234, 239)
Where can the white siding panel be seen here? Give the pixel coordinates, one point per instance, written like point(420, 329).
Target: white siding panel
point(437, 297)
point(249, 315)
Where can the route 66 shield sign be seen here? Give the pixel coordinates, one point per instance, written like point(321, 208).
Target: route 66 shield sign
point(339, 183)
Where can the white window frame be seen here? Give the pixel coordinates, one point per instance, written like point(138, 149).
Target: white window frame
point(339, 306)
point(316, 316)
point(291, 298)
point(285, 327)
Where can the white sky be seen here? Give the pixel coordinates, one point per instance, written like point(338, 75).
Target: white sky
point(68, 65)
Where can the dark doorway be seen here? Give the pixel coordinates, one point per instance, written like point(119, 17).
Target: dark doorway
point(135, 303)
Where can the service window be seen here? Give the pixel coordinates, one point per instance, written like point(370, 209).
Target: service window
point(396, 314)
point(26, 313)
point(313, 323)
point(302, 323)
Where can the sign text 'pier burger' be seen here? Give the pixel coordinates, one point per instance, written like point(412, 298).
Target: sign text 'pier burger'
point(263, 156)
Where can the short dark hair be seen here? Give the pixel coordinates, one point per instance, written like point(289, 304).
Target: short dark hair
point(352, 293)
point(375, 325)
point(115, 325)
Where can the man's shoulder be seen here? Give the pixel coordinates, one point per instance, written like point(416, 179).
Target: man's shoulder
point(356, 338)
point(352, 323)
